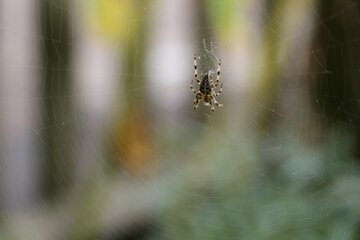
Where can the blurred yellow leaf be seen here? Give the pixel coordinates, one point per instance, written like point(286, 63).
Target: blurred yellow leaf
point(113, 18)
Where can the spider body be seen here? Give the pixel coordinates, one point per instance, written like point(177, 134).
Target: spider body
point(206, 89)
point(205, 86)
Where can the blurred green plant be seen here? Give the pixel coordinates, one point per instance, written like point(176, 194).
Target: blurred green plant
point(234, 194)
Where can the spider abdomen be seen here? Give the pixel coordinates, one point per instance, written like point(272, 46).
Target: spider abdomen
point(205, 87)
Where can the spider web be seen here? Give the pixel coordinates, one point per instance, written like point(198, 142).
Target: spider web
point(275, 162)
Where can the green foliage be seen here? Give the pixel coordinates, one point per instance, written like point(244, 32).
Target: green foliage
point(235, 192)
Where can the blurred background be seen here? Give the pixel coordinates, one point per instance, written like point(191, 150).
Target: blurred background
point(99, 139)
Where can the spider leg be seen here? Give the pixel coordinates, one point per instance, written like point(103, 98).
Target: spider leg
point(192, 88)
point(216, 102)
point(218, 75)
point(196, 103)
point(220, 90)
point(195, 67)
point(212, 106)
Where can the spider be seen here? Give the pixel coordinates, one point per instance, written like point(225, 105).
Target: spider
point(207, 89)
